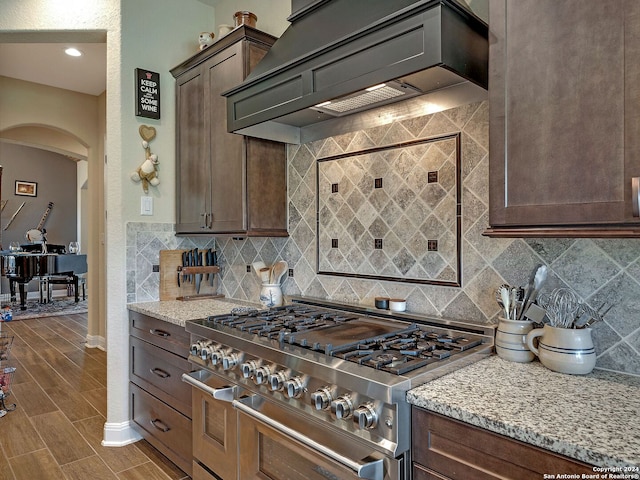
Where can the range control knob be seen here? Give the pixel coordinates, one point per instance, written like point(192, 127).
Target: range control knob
point(205, 351)
point(216, 356)
point(195, 348)
point(276, 380)
point(249, 368)
point(321, 398)
point(229, 361)
point(342, 407)
point(294, 387)
point(365, 416)
point(261, 375)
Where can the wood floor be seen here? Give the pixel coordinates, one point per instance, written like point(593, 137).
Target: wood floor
point(59, 387)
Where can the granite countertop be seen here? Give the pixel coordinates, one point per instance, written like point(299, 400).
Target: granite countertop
point(592, 418)
point(178, 311)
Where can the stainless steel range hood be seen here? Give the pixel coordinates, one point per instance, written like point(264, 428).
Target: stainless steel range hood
point(430, 55)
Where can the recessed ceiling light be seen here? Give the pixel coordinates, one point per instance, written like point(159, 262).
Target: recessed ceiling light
point(74, 52)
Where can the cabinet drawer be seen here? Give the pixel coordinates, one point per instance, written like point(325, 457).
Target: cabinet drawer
point(201, 473)
point(165, 428)
point(160, 372)
point(461, 451)
point(173, 338)
point(421, 473)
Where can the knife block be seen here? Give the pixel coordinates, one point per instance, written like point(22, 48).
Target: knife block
point(170, 261)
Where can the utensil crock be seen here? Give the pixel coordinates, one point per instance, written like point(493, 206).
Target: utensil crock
point(271, 295)
point(564, 350)
point(511, 340)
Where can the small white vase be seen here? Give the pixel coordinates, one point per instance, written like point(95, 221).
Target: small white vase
point(564, 350)
point(511, 340)
point(271, 295)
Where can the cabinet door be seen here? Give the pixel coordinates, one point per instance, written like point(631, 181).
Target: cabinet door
point(444, 448)
point(224, 71)
point(557, 113)
point(193, 175)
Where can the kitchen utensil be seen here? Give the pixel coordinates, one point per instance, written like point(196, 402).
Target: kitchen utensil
point(278, 271)
point(257, 266)
point(562, 307)
point(588, 316)
point(265, 275)
point(535, 313)
point(505, 296)
point(537, 279)
point(197, 257)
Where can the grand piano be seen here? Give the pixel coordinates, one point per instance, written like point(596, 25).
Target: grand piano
point(22, 267)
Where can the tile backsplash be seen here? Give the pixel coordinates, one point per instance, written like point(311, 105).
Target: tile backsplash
point(598, 270)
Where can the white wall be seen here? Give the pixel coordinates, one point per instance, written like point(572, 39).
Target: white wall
point(145, 34)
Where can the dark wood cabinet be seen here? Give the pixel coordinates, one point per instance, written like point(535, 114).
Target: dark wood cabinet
point(446, 449)
point(227, 184)
point(564, 117)
point(160, 401)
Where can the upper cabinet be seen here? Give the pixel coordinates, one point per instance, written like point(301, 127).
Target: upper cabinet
point(227, 184)
point(564, 118)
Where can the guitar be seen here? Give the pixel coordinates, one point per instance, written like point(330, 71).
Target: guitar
point(37, 234)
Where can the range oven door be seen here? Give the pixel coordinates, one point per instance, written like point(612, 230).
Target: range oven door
point(278, 444)
point(214, 423)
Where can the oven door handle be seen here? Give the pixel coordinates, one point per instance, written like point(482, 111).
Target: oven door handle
point(373, 470)
point(226, 394)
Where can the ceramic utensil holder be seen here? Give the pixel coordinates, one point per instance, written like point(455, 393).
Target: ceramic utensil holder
point(511, 340)
point(564, 350)
point(271, 295)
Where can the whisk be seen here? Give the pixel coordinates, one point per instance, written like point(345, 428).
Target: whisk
point(562, 307)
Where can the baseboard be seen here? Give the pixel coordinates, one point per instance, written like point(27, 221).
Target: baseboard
point(119, 434)
point(96, 341)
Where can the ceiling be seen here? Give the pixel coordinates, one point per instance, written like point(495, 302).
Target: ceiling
point(47, 64)
point(39, 57)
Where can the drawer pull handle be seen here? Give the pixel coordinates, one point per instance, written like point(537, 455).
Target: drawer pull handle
point(159, 425)
point(635, 195)
point(159, 372)
point(159, 333)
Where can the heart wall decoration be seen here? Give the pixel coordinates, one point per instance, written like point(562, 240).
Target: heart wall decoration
point(147, 173)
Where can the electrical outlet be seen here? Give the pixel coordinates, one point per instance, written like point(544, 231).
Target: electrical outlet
point(248, 268)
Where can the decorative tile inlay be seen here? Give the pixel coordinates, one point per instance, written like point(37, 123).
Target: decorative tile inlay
point(389, 214)
point(334, 243)
point(432, 177)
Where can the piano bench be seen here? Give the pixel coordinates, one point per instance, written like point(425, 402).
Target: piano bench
point(64, 278)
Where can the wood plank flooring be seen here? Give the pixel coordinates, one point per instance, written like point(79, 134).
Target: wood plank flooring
point(60, 391)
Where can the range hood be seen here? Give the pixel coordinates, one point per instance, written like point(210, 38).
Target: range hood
point(345, 65)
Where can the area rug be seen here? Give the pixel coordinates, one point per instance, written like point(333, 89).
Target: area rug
point(59, 306)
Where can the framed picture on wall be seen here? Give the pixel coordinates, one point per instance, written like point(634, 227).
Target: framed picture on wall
point(29, 189)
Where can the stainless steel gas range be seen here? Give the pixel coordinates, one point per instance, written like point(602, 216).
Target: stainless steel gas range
point(316, 390)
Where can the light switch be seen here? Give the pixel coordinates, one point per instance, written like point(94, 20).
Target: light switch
point(146, 205)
